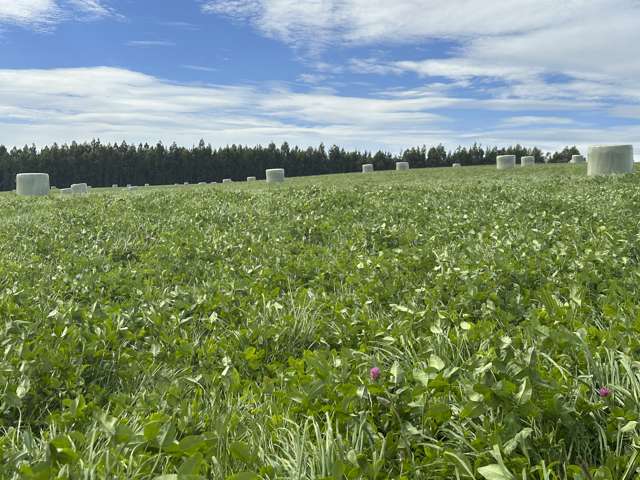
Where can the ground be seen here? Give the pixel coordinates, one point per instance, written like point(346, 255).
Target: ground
point(229, 331)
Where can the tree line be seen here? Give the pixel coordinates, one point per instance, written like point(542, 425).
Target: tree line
point(102, 165)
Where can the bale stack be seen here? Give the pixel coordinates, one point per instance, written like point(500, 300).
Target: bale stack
point(610, 160)
point(275, 175)
point(503, 162)
point(79, 188)
point(32, 184)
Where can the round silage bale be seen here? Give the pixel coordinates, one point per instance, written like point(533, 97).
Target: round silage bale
point(251, 179)
point(505, 161)
point(115, 185)
point(79, 188)
point(226, 180)
point(367, 168)
point(577, 159)
point(275, 175)
point(457, 165)
point(527, 161)
point(65, 191)
point(32, 184)
point(402, 165)
point(610, 160)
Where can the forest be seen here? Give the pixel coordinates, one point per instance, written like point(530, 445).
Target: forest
point(104, 164)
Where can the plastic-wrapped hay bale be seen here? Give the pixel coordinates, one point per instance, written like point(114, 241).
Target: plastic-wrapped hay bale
point(32, 184)
point(367, 167)
point(527, 161)
point(505, 161)
point(577, 159)
point(115, 185)
point(132, 187)
point(402, 165)
point(146, 184)
point(457, 165)
point(226, 180)
point(251, 179)
point(79, 188)
point(610, 160)
point(275, 175)
point(202, 183)
point(65, 191)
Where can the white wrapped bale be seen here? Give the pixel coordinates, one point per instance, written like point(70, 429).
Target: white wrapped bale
point(146, 184)
point(202, 183)
point(457, 165)
point(504, 162)
point(32, 184)
point(226, 180)
point(251, 179)
point(65, 191)
point(527, 161)
point(367, 168)
point(79, 188)
point(577, 159)
point(131, 187)
point(402, 166)
point(610, 160)
point(275, 175)
point(115, 185)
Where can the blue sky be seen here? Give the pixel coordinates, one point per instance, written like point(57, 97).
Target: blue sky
point(362, 74)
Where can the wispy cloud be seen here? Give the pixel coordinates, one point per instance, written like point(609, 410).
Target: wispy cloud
point(151, 43)
point(541, 54)
point(113, 104)
point(183, 25)
point(43, 14)
point(531, 120)
point(200, 68)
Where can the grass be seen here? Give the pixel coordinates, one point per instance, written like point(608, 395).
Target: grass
point(227, 331)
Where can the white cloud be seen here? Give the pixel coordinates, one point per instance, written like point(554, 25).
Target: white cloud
point(62, 105)
point(44, 13)
point(576, 52)
point(371, 21)
point(113, 104)
point(28, 12)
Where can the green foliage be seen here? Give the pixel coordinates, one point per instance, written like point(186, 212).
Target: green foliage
point(229, 331)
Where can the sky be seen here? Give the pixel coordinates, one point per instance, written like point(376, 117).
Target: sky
point(365, 74)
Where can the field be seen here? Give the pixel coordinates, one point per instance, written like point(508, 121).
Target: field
point(229, 331)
